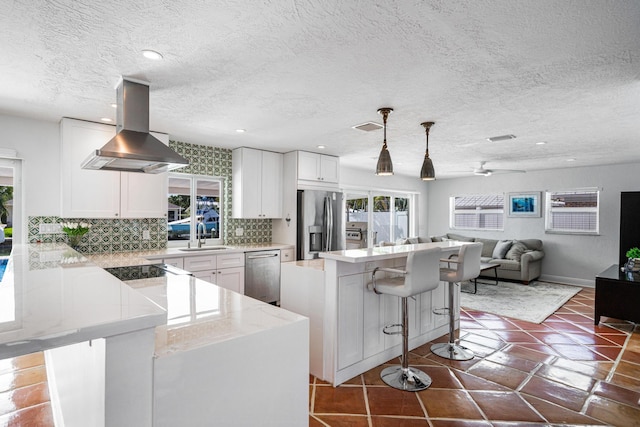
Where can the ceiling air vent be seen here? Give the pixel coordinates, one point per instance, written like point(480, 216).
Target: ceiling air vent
point(368, 126)
point(501, 138)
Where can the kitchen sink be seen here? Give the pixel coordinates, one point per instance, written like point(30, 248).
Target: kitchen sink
point(206, 248)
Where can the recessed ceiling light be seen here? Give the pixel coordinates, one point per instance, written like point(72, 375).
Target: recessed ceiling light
point(500, 138)
point(241, 130)
point(152, 54)
point(114, 105)
point(541, 143)
point(322, 147)
point(106, 119)
point(571, 160)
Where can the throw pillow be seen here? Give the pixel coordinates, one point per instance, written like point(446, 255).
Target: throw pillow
point(516, 251)
point(436, 238)
point(414, 240)
point(501, 249)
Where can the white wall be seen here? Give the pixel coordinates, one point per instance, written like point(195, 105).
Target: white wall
point(568, 258)
point(38, 143)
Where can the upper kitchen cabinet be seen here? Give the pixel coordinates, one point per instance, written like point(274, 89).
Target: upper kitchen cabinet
point(105, 194)
point(317, 169)
point(257, 183)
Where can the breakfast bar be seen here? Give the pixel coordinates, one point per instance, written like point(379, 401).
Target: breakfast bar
point(347, 318)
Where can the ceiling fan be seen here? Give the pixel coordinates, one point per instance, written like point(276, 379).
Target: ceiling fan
point(487, 172)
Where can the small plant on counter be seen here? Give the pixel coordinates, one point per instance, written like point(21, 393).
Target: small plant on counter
point(75, 231)
point(633, 253)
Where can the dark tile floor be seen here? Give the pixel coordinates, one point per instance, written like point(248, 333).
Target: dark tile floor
point(564, 371)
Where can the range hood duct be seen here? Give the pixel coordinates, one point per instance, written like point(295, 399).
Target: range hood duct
point(134, 149)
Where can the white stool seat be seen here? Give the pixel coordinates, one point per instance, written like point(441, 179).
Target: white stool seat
point(467, 267)
point(421, 274)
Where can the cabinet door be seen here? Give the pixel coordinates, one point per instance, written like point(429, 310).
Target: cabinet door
point(350, 320)
point(86, 193)
point(271, 185)
point(207, 276)
point(308, 166)
point(373, 322)
point(329, 169)
point(144, 195)
point(231, 278)
point(247, 183)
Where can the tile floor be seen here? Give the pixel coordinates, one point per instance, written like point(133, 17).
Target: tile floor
point(564, 371)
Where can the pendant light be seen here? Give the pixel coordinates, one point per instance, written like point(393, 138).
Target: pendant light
point(427, 173)
point(384, 167)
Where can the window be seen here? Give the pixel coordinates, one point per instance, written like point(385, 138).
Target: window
point(477, 212)
point(575, 211)
point(192, 193)
point(390, 218)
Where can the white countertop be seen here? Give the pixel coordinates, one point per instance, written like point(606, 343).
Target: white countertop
point(387, 252)
point(52, 296)
point(150, 257)
point(200, 313)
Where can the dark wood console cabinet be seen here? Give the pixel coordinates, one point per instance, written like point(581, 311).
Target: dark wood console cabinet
point(617, 295)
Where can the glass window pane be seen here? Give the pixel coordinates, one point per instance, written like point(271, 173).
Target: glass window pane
point(401, 229)
point(382, 218)
point(357, 208)
point(478, 211)
point(208, 207)
point(179, 209)
point(573, 211)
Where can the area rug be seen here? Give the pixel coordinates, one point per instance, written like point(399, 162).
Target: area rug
point(533, 302)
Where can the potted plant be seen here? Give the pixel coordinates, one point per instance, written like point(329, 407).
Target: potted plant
point(633, 255)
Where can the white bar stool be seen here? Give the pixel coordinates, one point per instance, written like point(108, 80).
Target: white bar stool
point(421, 275)
point(468, 267)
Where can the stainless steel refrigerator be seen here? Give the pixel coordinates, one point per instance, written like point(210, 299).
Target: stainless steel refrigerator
point(320, 223)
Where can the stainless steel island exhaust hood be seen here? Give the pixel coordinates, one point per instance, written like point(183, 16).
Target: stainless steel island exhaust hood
point(134, 149)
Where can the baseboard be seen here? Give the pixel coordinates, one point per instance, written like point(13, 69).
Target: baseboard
point(568, 280)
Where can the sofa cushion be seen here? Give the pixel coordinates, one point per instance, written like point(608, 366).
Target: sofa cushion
point(460, 237)
point(507, 264)
point(437, 238)
point(416, 240)
point(516, 251)
point(533, 244)
point(488, 245)
point(501, 248)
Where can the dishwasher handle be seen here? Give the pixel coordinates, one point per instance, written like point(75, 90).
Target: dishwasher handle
point(261, 256)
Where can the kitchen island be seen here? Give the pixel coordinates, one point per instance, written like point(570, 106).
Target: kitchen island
point(211, 356)
point(347, 318)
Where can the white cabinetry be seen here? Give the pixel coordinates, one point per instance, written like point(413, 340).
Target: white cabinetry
point(226, 271)
point(318, 168)
point(350, 320)
point(257, 183)
point(105, 194)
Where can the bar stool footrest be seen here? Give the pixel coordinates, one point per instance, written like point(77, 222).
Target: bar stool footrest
point(444, 311)
point(387, 330)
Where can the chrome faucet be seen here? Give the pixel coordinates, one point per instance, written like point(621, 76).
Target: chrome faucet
point(201, 233)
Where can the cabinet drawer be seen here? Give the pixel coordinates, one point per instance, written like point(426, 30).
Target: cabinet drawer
point(287, 255)
point(231, 260)
point(176, 262)
point(199, 263)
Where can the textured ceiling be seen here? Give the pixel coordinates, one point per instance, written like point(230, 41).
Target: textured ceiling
point(299, 73)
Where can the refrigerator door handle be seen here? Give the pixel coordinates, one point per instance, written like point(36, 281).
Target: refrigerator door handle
point(328, 217)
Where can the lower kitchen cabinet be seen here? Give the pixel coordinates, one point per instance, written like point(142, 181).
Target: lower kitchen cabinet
point(226, 271)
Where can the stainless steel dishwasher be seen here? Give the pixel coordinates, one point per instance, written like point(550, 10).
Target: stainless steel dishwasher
point(262, 275)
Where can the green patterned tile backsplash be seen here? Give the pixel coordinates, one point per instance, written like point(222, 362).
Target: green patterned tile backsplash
point(124, 235)
point(107, 235)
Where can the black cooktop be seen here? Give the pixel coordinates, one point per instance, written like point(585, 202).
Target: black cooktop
point(147, 271)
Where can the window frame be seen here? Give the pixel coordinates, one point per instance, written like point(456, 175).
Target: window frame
point(478, 212)
point(393, 195)
point(549, 209)
point(194, 178)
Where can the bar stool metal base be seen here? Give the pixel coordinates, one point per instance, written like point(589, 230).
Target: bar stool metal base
point(406, 379)
point(452, 351)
